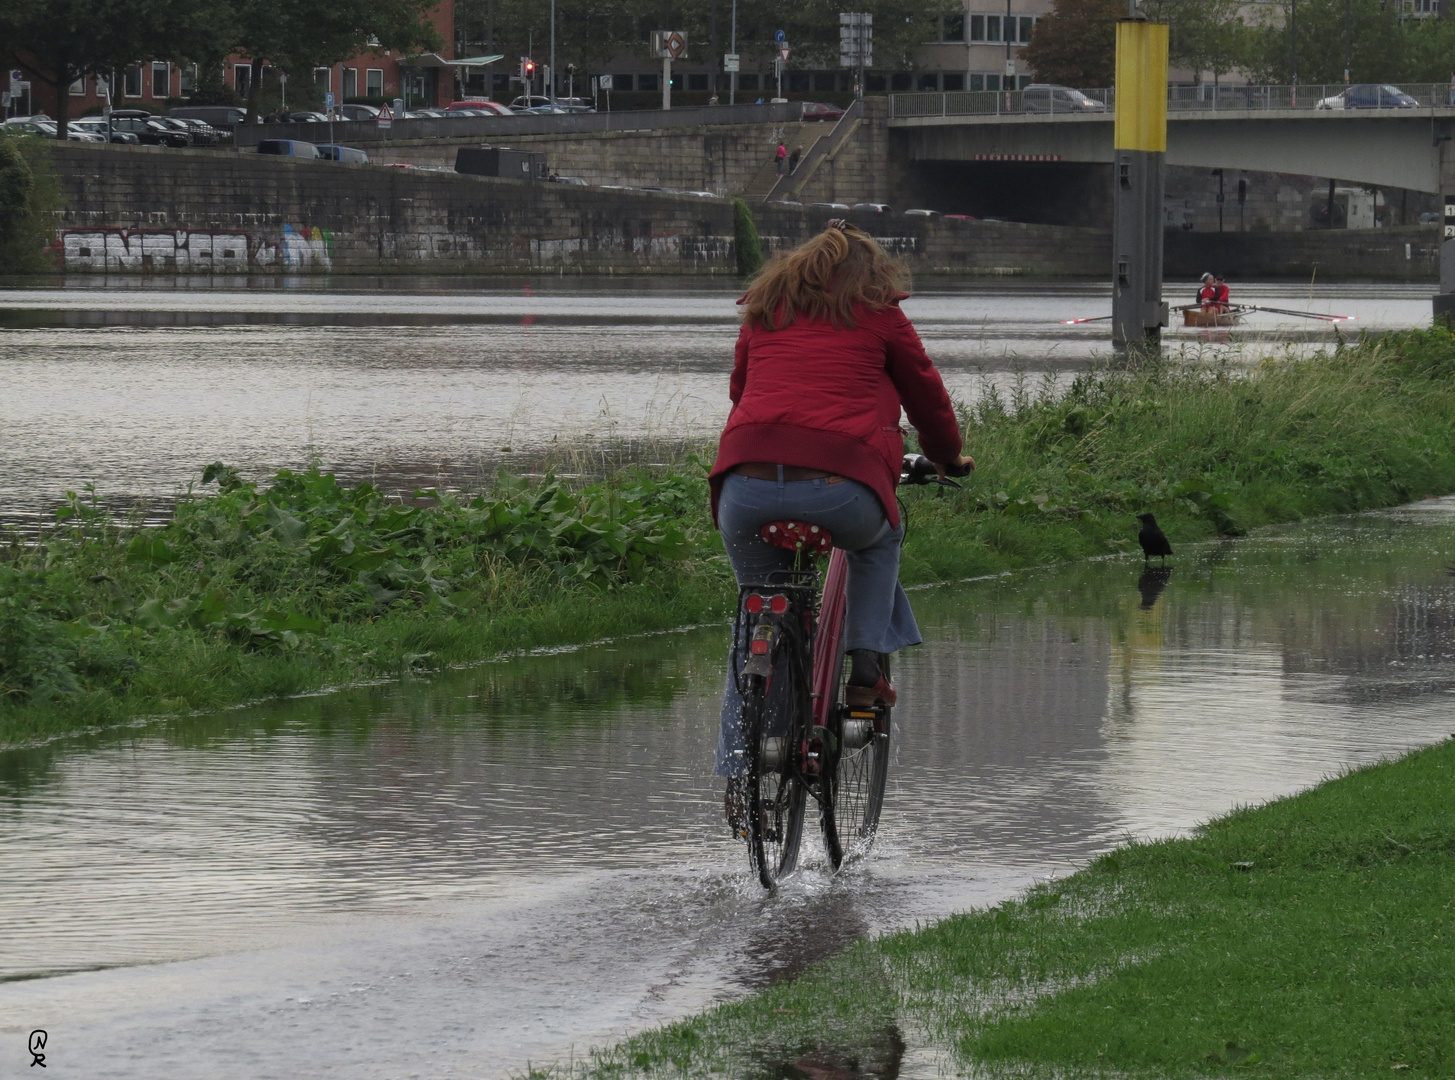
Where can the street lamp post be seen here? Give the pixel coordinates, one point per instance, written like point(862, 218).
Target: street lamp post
point(733, 48)
point(1293, 40)
point(553, 52)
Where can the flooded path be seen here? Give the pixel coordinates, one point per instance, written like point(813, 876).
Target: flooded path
point(137, 385)
point(511, 863)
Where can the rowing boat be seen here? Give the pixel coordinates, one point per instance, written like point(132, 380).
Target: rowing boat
point(1196, 316)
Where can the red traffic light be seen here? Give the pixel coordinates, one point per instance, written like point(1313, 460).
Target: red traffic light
point(530, 65)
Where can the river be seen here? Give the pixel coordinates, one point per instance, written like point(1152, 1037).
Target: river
point(517, 861)
point(135, 385)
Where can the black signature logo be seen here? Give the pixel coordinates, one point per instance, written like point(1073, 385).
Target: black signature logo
point(37, 1044)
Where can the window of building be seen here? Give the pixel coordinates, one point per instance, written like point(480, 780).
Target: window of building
point(900, 81)
point(351, 83)
point(697, 82)
point(1023, 81)
point(78, 88)
point(1015, 29)
point(647, 83)
point(676, 80)
point(984, 82)
point(748, 82)
point(825, 81)
point(161, 81)
point(952, 81)
point(242, 77)
point(374, 82)
point(928, 80)
point(131, 81)
point(953, 28)
point(797, 82)
point(188, 82)
point(876, 83)
point(621, 82)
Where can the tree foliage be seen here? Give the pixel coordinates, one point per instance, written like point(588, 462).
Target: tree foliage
point(1075, 45)
point(1383, 47)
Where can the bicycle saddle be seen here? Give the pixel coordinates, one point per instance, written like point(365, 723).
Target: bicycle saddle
point(797, 536)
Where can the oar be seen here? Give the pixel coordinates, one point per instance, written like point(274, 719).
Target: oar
point(1300, 314)
point(1094, 318)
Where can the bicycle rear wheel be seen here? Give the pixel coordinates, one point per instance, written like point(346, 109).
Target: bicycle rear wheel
point(775, 793)
point(861, 771)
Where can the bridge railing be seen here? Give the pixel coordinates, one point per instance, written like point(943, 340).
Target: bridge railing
point(1180, 99)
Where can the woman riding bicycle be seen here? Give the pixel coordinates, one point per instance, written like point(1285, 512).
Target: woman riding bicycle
point(825, 362)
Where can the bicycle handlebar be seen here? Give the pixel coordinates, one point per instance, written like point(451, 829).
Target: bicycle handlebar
point(918, 469)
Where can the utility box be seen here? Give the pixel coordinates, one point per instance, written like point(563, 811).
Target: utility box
point(498, 161)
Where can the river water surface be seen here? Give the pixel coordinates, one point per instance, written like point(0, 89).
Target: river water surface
point(515, 862)
point(135, 385)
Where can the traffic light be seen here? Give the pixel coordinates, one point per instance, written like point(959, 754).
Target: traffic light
point(527, 71)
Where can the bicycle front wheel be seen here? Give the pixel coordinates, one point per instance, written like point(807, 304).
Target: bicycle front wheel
point(860, 773)
point(775, 793)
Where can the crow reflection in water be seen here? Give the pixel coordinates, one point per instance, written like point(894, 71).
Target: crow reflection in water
point(1153, 580)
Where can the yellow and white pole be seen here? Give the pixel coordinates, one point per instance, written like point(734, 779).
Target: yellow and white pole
point(1139, 155)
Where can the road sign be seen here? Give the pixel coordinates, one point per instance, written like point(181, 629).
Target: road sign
point(1449, 216)
point(603, 82)
point(328, 100)
point(779, 36)
point(730, 62)
point(385, 118)
point(783, 53)
point(856, 39)
point(669, 44)
point(16, 77)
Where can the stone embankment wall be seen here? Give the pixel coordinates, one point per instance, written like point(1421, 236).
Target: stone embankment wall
point(1410, 253)
point(146, 209)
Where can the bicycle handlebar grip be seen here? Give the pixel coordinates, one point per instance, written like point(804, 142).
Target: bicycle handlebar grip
point(957, 470)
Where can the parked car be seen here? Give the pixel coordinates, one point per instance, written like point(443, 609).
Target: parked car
point(220, 117)
point(704, 194)
point(204, 133)
point(922, 213)
point(97, 126)
point(148, 129)
point(358, 112)
point(574, 181)
point(533, 101)
point(47, 128)
point(1371, 96)
point(346, 154)
point(873, 208)
point(288, 148)
point(424, 114)
point(960, 217)
point(1049, 98)
point(480, 105)
point(1430, 217)
point(837, 207)
point(818, 110)
point(172, 123)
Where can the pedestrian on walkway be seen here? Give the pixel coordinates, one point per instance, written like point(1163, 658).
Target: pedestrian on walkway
point(793, 160)
point(779, 156)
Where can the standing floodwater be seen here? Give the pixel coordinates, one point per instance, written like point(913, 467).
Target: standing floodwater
point(450, 877)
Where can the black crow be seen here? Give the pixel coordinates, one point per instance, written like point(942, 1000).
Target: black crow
point(1152, 539)
point(1153, 580)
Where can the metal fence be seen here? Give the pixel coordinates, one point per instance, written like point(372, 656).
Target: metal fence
point(1180, 99)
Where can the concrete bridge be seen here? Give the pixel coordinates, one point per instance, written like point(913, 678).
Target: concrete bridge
point(1264, 129)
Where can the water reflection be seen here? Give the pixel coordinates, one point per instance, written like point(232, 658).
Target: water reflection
point(1151, 584)
point(528, 855)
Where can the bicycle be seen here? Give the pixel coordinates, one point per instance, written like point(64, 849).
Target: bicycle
point(800, 739)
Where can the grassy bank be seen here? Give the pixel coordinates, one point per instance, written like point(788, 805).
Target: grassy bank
point(264, 589)
point(1312, 937)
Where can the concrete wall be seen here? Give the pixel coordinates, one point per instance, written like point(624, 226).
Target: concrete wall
point(1396, 254)
point(146, 209)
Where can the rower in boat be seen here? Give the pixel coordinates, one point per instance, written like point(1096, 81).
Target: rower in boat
point(1224, 296)
point(1207, 295)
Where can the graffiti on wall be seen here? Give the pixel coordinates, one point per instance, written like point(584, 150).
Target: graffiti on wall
point(208, 251)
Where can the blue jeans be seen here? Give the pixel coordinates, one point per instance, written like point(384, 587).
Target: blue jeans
point(878, 615)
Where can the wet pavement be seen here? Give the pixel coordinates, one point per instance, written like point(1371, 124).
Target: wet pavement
point(515, 862)
point(137, 384)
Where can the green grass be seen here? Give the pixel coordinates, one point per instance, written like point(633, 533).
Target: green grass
point(1311, 937)
point(256, 590)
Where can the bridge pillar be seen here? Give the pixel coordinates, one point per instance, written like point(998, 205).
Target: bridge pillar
point(1139, 156)
point(1445, 298)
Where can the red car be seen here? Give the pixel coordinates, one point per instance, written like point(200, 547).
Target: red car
point(818, 110)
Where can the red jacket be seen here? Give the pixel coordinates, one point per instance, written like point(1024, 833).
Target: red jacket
point(825, 398)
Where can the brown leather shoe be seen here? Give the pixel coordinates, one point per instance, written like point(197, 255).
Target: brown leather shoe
point(866, 697)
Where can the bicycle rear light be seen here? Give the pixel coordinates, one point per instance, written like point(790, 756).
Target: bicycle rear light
point(779, 604)
point(753, 603)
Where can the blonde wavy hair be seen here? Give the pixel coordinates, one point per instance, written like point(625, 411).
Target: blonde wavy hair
point(824, 279)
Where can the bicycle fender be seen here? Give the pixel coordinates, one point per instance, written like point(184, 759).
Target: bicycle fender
point(760, 651)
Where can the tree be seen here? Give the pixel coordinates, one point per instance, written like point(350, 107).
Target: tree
point(1383, 45)
point(65, 40)
point(1206, 35)
point(1075, 45)
point(296, 36)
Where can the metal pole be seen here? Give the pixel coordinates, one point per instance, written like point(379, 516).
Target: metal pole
point(666, 82)
point(733, 84)
point(1348, 37)
point(1139, 155)
point(553, 52)
point(1293, 39)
